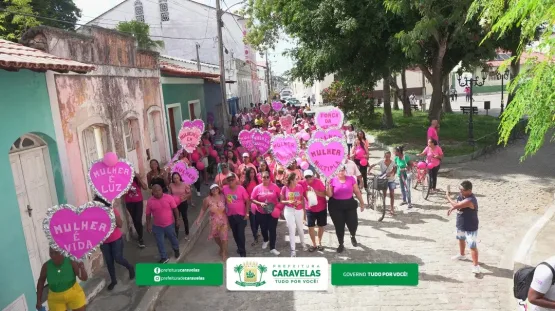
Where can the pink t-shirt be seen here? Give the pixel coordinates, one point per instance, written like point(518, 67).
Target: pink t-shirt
point(235, 200)
point(343, 191)
point(297, 194)
point(116, 234)
point(178, 191)
point(134, 194)
point(317, 185)
point(431, 153)
point(161, 209)
point(432, 133)
point(265, 194)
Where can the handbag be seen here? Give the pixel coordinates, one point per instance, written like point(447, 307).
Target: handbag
point(269, 208)
point(312, 198)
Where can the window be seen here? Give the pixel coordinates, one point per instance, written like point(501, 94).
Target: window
point(128, 134)
point(92, 136)
point(164, 12)
point(139, 11)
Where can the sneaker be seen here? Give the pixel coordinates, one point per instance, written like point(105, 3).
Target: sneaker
point(186, 237)
point(476, 269)
point(265, 245)
point(166, 260)
point(305, 248)
point(275, 252)
point(198, 193)
point(459, 257)
point(293, 254)
point(354, 241)
point(404, 203)
point(340, 248)
point(176, 253)
point(142, 243)
point(112, 285)
point(132, 273)
point(410, 205)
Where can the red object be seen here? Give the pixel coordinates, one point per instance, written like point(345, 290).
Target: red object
point(195, 156)
point(200, 166)
point(363, 162)
point(214, 153)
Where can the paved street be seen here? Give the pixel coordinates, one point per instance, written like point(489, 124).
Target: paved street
point(511, 195)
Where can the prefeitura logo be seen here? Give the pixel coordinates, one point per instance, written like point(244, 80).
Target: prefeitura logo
point(303, 273)
point(250, 274)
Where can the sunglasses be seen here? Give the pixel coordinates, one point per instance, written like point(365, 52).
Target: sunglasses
point(308, 176)
point(265, 177)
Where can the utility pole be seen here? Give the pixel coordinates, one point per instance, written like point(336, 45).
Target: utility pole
point(219, 14)
point(270, 75)
point(268, 79)
point(198, 57)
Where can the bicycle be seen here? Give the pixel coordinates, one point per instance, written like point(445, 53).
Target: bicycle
point(422, 178)
point(374, 196)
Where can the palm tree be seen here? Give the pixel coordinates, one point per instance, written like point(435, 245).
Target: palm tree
point(141, 32)
point(262, 269)
point(238, 269)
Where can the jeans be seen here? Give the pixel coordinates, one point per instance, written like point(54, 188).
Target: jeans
point(268, 226)
point(113, 252)
point(405, 182)
point(135, 209)
point(197, 183)
point(363, 172)
point(254, 224)
point(160, 233)
point(349, 146)
point(237, 223)
point(182, 208)
point(343, 212)
point(433, 176)
point(294, 219)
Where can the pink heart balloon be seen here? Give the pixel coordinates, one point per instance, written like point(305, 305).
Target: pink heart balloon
point(286, 122)
point(195, 123)
point(285, 149)
point(277, 106)
point(327, 157)
point(265, 108)
point(245, 139)
point(325, 135)
point(189, 137)
point(189, 175)
point(77, 231)
point(110, 182)
point(261, 141)
point(332, 118)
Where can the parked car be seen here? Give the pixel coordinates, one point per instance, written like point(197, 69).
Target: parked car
point(294, 102)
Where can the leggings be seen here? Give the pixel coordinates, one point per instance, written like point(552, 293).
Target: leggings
point(182, 208)
point(135, 209)
point(363, 172)
point(343, 212)
point(254, 225)
point(433, 176)
point(294, 219)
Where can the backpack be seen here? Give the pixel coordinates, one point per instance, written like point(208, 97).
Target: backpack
point(523, 279)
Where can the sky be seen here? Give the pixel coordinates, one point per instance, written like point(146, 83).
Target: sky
point(279, 64)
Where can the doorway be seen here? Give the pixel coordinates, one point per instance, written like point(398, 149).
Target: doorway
point(194, 110)
point(175, 120)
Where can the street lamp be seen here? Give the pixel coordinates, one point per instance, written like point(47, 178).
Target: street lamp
point(471, 82)
point(503, 76)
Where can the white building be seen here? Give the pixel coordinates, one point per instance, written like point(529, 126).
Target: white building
point(300, 89)
point(188, 29)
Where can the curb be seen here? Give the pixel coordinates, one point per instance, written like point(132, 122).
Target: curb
point(149, 300)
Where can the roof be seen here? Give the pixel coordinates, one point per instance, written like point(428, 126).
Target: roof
point(503, 56)
point(14, 56)
point(217, 80)
point(172, 69)
point(190, 61)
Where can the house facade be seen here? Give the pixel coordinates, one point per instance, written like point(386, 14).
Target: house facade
point(33, 178)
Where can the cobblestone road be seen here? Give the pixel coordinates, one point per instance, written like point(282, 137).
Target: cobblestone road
point(511, 197)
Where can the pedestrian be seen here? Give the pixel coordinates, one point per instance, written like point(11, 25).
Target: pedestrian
point(467, 93)
point(317, 214)
point(237, 204)
point(221, 177)
point(242, 169)
point(157, 176)
point(360, 155)
point(402, 161)
point(433, 154)
point(214, 203)
point(541, 295)
point(433, 131)
point(350, 135)
point(293, 196)
point(266, 197)
point(343, 207)
point(181, 193)
point(162, 207)
point(135, 206)
point(250, 182)
point(388, 169)
point(467, 222)
point(351, 169)
point(64, 292)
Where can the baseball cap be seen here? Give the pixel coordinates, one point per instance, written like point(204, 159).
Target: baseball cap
point(230, 175)
point(245, 155)
point(214, 186)
point(308, 173)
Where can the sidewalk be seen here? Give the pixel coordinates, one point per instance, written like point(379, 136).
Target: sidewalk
point(126, 295)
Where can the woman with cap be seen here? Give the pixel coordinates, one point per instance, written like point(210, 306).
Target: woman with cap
point(316, 215)
point(219, 226)
point(343, 207)
point(237, 205)
point(266, 197)
point(293, 195)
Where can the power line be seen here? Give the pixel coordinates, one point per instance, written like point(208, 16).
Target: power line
point(233, 16)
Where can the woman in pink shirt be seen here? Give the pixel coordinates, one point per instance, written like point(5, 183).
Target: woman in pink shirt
point(237, 205)
point(251, 181)
point(181, 193)
point(135, 206)
point(293, 195)
point(359, 152)
point(219, 227)
point(295, 170)
point(266, 196)
point(263, 167)
point(112, 249)
point(232, 161)
point(433, 154)
point(343, 207)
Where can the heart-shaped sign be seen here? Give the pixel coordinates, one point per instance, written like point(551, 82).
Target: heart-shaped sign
point(331, 118)
point(286, 122)
point(277, 106)
point(261, 141)
point(245, 139)
point(195, 123)
point(325, 135)
point(265, 108)
point(110, 182)
point(77, 231)
point(189, 175)
point(189, 137)
point(326, 156)
point(285, 149)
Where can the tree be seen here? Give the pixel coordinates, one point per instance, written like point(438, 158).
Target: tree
point(141, 32)
point(63, 14)
point(534, 86)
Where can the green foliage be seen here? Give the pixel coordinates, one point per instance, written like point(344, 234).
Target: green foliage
point(12, 26)
point(65, 13)
point(141, 32)
point(355, 101)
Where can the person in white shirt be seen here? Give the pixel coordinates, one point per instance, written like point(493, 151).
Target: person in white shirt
point(351, 169)
point(541, 296)
point(351, 135)
point(388, 169)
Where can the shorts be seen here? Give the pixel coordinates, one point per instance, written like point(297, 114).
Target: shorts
point(469, 236)
point(73, 298)
point(205, 161)
point(391, 185)
point(314, 219)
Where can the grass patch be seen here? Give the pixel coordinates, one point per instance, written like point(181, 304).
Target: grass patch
point(453, 134)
